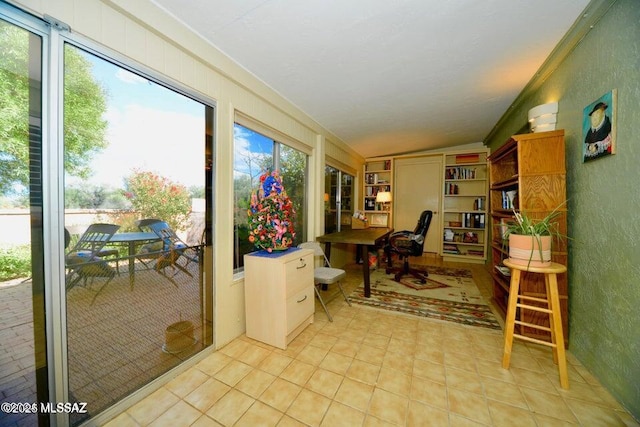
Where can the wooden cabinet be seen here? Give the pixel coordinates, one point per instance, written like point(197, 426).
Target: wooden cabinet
point(279, 295)
point(378, 177)
point(528, 174)
point(465, 207)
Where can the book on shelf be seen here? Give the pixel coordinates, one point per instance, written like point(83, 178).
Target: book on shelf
point(468, 158)
point(509, 199)
point(450, 188)
point(450, 249)
point(473, 220)
point(460, 173)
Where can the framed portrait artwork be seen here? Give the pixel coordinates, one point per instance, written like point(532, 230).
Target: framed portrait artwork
point(599, 127)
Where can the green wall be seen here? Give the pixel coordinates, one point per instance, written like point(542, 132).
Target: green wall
point(604, 198)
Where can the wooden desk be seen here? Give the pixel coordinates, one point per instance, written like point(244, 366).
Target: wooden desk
point(368, 238)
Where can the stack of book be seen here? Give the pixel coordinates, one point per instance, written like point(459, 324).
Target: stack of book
point(450, 249)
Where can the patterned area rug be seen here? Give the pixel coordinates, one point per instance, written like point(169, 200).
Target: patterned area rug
point(449, 294)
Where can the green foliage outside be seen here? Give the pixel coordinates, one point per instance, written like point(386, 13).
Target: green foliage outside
point(293, 167)
point(94, 197)
point(84, 106)
point(85, 103)
point(15, 262)
point(153, 196)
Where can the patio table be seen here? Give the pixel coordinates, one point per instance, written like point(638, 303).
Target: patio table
point(132, 239)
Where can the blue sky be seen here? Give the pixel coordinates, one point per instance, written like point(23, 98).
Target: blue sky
point(149, 128)
point(246, 142)
point(154, 128)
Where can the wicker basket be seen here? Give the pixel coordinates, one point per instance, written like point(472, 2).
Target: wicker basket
point(178, 337)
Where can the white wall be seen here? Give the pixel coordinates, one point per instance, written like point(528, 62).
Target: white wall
point(146, 34)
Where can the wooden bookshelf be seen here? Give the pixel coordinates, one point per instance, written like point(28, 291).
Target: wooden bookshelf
point(528, 174)
point(377, 177)
point(465, 207)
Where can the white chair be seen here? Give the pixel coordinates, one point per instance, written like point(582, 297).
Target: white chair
point(325, 275)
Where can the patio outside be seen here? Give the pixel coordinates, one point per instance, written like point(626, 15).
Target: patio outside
point(115, 345)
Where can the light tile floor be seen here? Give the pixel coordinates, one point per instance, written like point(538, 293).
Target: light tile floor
point(373, 368)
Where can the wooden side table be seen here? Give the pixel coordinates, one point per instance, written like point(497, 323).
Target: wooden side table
point(552, 308)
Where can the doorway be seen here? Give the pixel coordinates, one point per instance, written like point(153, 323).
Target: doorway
point(418, 183)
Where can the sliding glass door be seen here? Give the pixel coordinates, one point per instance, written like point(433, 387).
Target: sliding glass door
point(89, 142)
point(338, 199)
point(23, 340)
point(136, 168)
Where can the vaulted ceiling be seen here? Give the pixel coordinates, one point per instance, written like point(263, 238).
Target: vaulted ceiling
point(389, 76)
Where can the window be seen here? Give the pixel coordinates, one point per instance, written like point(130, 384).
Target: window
point(255, 153)
point(338, 199)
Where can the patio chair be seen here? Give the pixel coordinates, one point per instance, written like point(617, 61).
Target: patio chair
point(88, 259)
point(173, 250)
point(144, 224)
point(149, 251)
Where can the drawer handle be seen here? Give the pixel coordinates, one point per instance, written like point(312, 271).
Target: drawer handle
point(302, 265)
point(305, 297)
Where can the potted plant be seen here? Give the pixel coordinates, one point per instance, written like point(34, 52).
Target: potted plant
point(530, 239)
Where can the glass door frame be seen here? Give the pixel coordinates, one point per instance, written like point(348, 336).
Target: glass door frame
point(57, 193)
point(54, 35)
point(339, 173)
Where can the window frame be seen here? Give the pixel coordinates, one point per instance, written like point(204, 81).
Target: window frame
point(278, 138)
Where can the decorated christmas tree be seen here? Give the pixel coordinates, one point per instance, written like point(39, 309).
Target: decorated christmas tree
point(271, 215)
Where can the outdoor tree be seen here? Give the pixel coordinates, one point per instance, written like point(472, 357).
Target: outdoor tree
point(84, 106)
point(89, 196)
point(85, 103)
point(293, 166)
point(153, 196)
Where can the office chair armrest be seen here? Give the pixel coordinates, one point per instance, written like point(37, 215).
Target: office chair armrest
point(400, 234)
point(401, 239)
point(418, 238)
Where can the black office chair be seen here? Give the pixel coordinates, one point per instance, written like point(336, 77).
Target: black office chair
point(408, 243)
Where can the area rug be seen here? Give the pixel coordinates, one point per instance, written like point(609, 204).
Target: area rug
point(449, 294)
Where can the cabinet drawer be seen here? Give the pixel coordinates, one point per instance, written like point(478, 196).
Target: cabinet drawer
point(299, 274)
point(299, 307)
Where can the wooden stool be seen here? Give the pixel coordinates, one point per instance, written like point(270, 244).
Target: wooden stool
point(553, 309)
